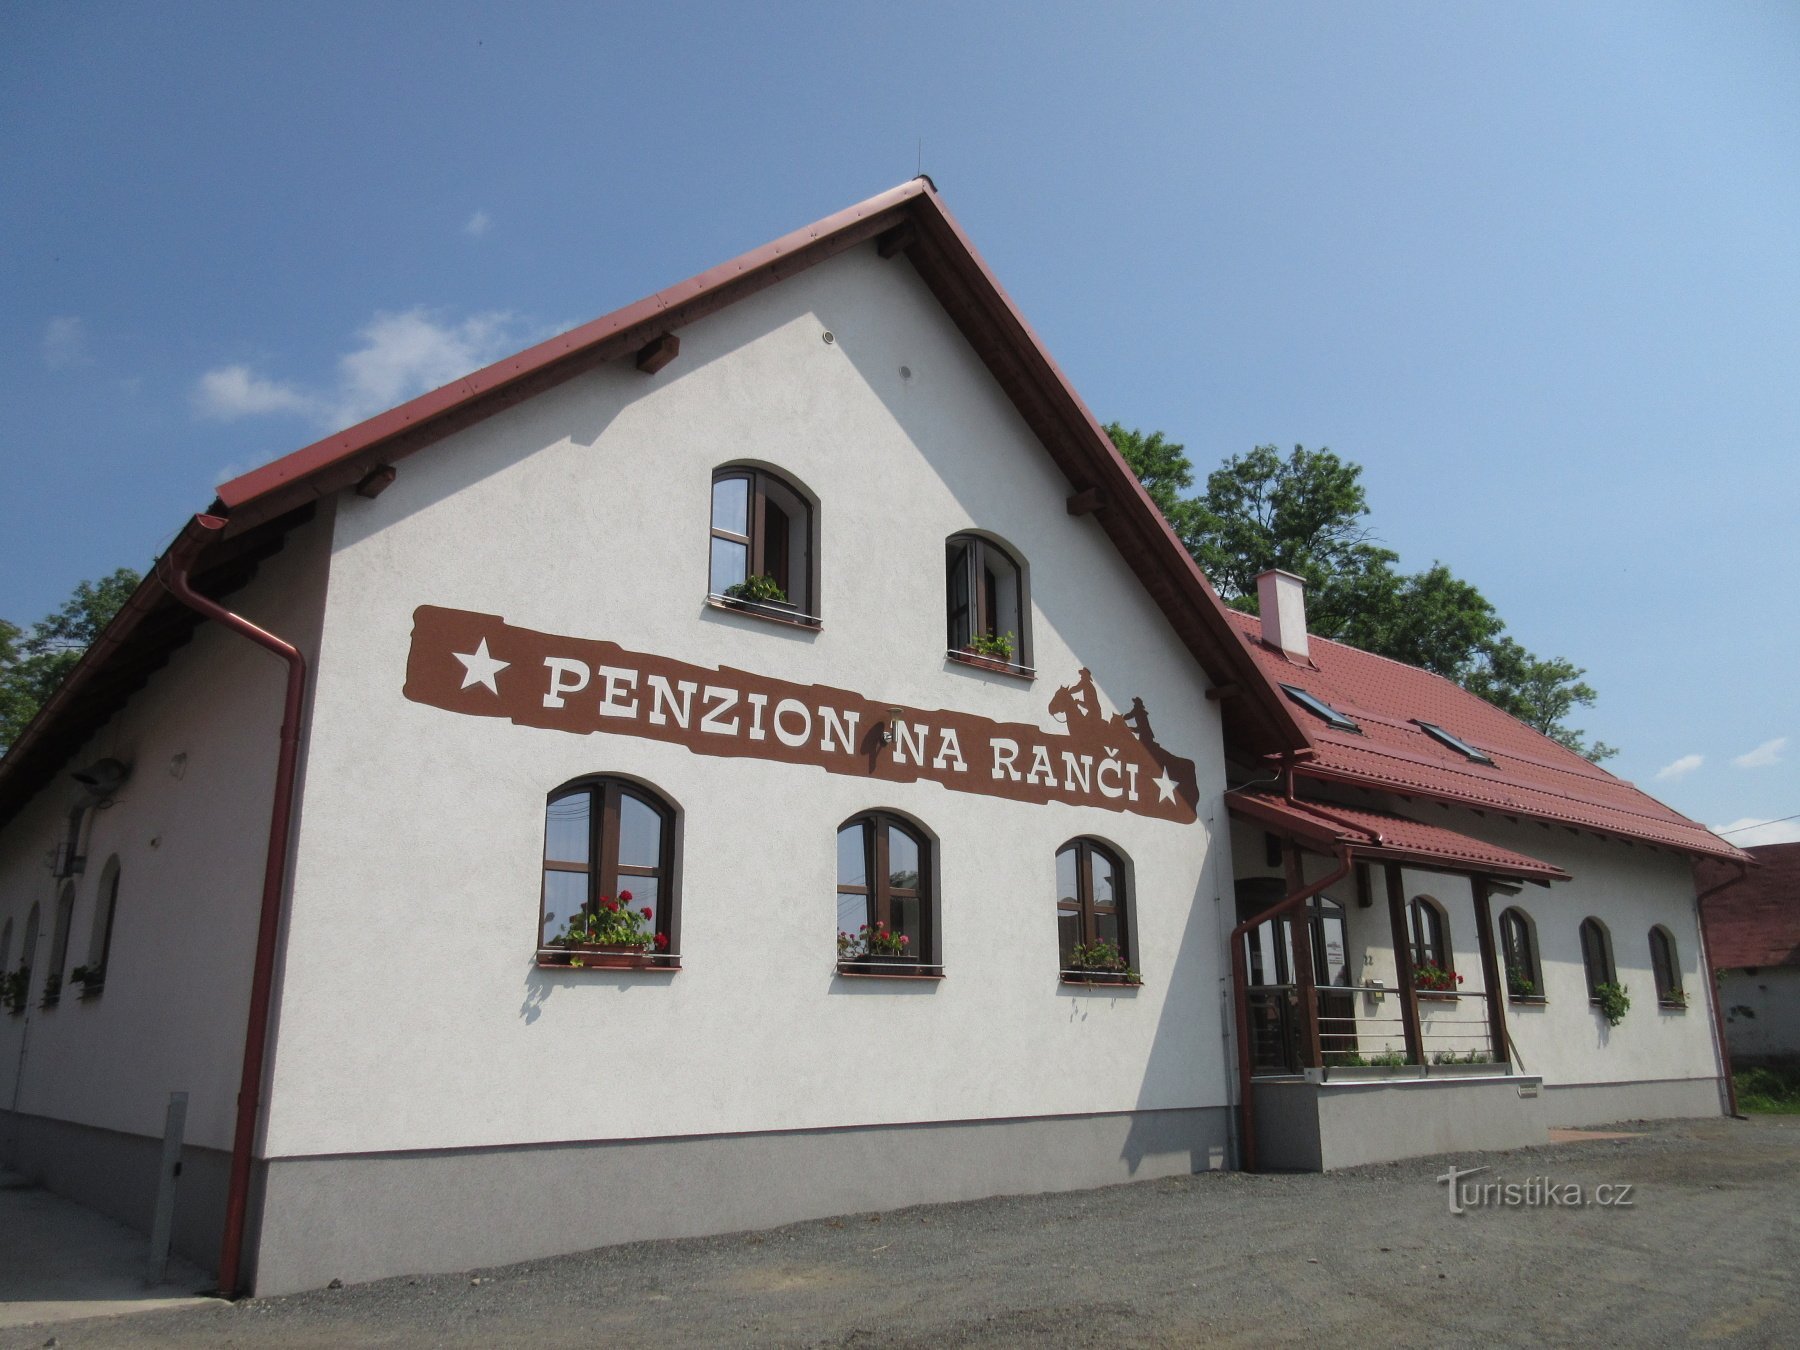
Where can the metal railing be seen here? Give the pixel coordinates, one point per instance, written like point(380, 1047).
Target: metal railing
point(1362, 1026)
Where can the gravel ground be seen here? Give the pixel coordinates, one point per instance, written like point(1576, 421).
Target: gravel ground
point(1708, 1252)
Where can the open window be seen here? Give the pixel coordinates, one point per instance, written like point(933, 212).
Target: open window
point(1093, 927)
point(886, 910)
point(609, 893)
point(763, 558)
point(1666, 968)
point(986, 603)
point(1519, 949)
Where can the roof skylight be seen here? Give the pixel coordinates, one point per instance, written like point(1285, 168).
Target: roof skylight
point(1442, 737)
point(1320, 709)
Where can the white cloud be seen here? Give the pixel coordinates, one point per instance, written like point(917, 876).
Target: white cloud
point(479, 224)
point(1681, 768)
point(65, 343)
point(1751, 831)
point(1769, 752)
point(231, 392)
point(401, 355)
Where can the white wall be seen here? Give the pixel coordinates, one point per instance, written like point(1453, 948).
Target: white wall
point(190, 836)
point(415, 1016)
point(1762, 1011)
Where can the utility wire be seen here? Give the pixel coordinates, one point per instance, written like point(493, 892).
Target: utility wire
point(1759, 824)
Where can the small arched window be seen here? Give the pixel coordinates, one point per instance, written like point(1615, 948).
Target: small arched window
point(609, 872)
point(763, 555)
point(18, 984)
point(886, 916)
point(1596, 957)
point(93, 975)
point(1093, 929)
point(1519, 949)
point(986, 600)
point(59, 944)
point(1433, 964)
point(5, 947)
point(1666, 968)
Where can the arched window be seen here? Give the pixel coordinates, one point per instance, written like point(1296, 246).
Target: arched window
point(59, 944)
point(18, 989)
point(762, 543)
point(986, 601)
point(609, 847)
point(1093, 930)
point(93, 975)
point(885, 913)
point(1433, 965)
point(5, 946)
point(1666, 968)
point(1596, 957)
point(1519, 949)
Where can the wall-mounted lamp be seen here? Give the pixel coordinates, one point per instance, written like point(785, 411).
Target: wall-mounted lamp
point(887, 727)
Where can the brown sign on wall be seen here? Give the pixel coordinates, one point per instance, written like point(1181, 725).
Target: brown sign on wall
point(481, 665)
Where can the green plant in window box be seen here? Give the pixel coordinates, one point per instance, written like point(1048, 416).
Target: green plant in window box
point(1613, 1001)
point(758, 590)
point(872, 944)
point(610, 933)
point(1451, 1057)
point(90, 978)
point(53, 986)
point(1101, 963)
point(996, 647)
point(1674, 998)
point(15, 988)
point(1388, 1059)
point(1434, 979)
point(1518, 983)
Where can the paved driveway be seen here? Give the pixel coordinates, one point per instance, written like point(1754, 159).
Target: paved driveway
point(1704, 1248)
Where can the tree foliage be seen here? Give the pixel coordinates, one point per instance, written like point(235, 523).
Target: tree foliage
point(33, 664)
point(1307, 513)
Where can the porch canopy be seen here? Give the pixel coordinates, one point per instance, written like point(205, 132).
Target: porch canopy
point(1381, 836)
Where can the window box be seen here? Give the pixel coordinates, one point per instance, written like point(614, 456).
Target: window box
point(1436, 995)
point(858, 970)
point(1528, 1000)
point(605, 955)
point(1672, 1004)
point(963, 656)
point(1117, 979)
point(773, 613)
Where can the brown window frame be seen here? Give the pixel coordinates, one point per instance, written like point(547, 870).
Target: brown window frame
point(1519, 951)
point(1086, 909)
point(108, 902)
point(1429, 934)
point(879, 892)
point(762, 556)
point(1597, 951)
point(983, 599)
point(605, 873)
point(1665, 967)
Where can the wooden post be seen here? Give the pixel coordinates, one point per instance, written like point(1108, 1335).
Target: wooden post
point(1403, 967)
point(1491, 975)
point(1300, 927)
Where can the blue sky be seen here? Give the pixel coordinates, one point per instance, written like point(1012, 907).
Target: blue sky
point(1535, 267)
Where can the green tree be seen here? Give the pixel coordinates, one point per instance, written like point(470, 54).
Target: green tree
point(1307, 513)
point(33, 664)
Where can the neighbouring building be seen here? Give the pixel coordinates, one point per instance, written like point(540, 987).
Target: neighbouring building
point(761, 755)
point(1753, 920)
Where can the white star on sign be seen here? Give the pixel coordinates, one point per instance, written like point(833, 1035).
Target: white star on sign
point(480, 668)
point(1165, 787)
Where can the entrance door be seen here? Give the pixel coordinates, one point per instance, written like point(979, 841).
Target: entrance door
point(1269, 961)
point(1331, 973)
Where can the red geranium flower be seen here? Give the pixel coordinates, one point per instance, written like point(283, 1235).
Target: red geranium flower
point(662, 939)
point(647, 912)
point(625, 896)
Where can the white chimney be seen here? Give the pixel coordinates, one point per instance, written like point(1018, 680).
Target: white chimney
point(1282, 598)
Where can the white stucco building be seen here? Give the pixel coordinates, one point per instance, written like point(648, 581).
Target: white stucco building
point(983, 703)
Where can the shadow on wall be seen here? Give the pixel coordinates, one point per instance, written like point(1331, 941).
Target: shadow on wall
point(541, 982)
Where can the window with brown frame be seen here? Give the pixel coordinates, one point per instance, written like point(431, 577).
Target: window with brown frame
point(609, 842)
point(59, 945)
point(1519, 949)
point(1430, 929)
point(1091, 910)
point(1596, 957)
point(92, 976)
point(985, 600)
point(1666, 969)
point(885, 903)
point(762, 528)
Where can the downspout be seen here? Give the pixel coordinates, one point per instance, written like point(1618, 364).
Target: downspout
point(1712, 985)
point(1240, 977)
point(175, 575)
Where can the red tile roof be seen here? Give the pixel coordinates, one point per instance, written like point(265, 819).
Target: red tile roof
point(1383, 836)
point(1531, 776)
point(1754, 921)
